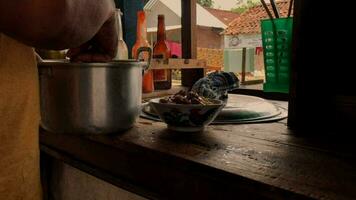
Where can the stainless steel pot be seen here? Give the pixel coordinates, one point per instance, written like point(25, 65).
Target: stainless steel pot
point(90, 98)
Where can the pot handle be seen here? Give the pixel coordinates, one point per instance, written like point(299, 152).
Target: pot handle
point(143, 49)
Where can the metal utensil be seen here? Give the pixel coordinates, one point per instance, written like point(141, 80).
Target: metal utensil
point(267, 9)
point(275, 8)
point(290, 8)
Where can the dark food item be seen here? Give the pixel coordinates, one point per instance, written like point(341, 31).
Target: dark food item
point(183, 97)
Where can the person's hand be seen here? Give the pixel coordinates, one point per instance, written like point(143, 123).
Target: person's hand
point(101, 48)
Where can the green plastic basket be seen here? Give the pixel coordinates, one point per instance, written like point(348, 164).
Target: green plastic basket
point(277, 42)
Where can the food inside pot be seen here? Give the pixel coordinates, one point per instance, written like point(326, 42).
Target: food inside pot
point(183, 97)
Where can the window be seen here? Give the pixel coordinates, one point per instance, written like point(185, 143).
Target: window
point(228, 35)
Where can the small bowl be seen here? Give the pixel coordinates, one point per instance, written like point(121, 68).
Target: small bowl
point(187, 117)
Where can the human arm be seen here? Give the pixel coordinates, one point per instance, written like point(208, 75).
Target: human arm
point(60, 24)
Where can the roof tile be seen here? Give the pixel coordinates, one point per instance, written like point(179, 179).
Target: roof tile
point(249, 21)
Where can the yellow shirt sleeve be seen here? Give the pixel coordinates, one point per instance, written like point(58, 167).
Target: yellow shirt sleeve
point(19, 122)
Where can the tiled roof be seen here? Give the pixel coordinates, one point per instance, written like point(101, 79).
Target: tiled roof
point(249, 21)
point(223, 15)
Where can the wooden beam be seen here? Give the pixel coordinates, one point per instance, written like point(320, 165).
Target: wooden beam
point(176, 63)
point(243, 74)
point(189, 41)
point(245, 161)
point(189, 18)
point(310, 92)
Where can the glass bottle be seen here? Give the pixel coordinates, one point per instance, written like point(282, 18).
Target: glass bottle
point(122, 52)
point(141, 41)
point(162, 78)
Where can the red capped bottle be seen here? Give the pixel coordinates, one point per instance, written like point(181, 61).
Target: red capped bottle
point(141, 41)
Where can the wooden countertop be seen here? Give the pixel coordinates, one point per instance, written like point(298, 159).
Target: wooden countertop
point(250, 161)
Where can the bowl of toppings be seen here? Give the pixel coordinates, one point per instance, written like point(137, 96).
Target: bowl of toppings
point(187, 111)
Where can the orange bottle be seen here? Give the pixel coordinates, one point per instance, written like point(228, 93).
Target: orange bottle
point(162, 78)
point(141, 41)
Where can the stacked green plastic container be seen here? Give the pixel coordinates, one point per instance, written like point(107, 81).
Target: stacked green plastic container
point(277, 42)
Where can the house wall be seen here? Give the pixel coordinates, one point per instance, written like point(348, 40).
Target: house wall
point(214, 57)
point(208, 37)
point(161, 9)
point(242, 40)
point(171, 35)
point(232, 42)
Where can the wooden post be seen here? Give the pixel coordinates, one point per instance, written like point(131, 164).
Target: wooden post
point(243, 73)
point(314, 91)
point(189, 41)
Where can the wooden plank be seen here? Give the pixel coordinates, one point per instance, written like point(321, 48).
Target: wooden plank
point(133, 166)
point(161, 93)
point(189, 29)
point(256, 160)
point(252, 82)
point(243, 73)
point(176, 63)
point(292, 113)
point(309, 88)
point(93, 170)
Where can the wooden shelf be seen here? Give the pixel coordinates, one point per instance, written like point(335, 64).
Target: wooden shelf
point(161, 93)
point(246, 161)
point(176, 63)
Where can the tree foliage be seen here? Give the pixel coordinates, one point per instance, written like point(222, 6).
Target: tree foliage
point(206, 3)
